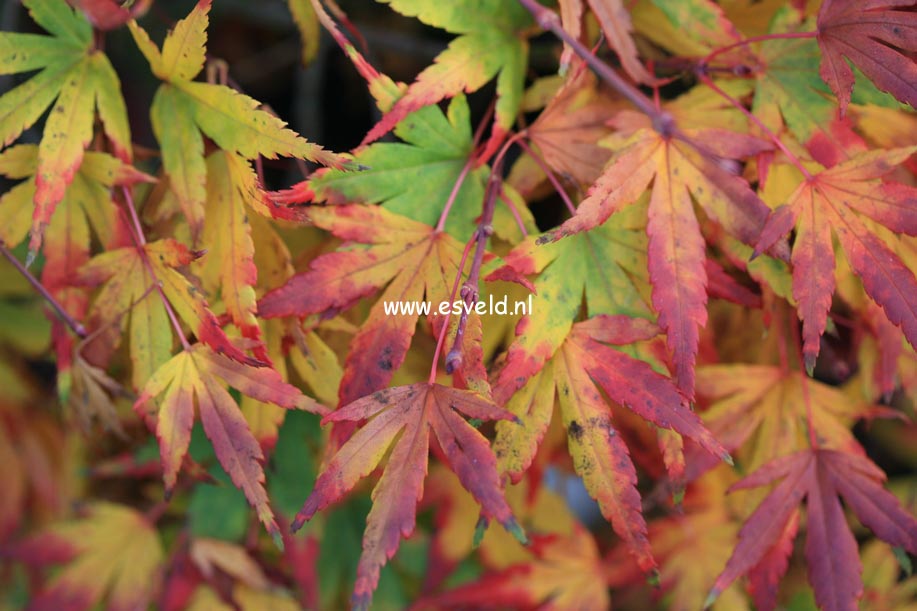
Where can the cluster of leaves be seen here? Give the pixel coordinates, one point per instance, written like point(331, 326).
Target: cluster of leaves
point(722, 327)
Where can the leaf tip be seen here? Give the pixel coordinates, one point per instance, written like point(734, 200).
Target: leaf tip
point(513, 527)
point(453, 361)
point(653, 578)
point(277, 538)
point(479, 529)
point(360, 602)
point(298, 522)
point(810, 364)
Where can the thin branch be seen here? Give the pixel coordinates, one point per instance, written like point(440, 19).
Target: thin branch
point(441, 340)
point(78, 329)
point(549, 20)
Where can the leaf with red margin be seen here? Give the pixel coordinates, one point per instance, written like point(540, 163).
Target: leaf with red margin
point(197, 377)
point(565, 572)
point(81, 80)
point(761, 412)
point(615, 21)
point(878, 36)
point(490, 43)
point(676, 256)
point(831, 202)
point(408, 261)
point(112, 553)
point(582, 366)
point(229, 265)
point(566, 133)
point(764, 578)
point(183, 110)
point(109, 14)
point(822, 478)
point(402, 418)
point(605, 269)
point(127, 275)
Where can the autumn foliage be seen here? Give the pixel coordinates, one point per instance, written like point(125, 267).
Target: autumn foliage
point(207, 404)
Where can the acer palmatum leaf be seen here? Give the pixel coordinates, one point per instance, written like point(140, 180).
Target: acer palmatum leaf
point(404, 418)
point(878, 36)
point(821, 478)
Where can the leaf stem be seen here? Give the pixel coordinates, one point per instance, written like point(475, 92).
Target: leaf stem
point(453, 194)
point(140, 243)
point(471, 163)
point(751, 117)
point(753, 39)
point(544, 168)
point(549, 20)
point(78, 329)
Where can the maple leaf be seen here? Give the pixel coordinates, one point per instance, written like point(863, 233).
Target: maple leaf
point(192, 377)
point(789, 90)
point(490, 43)
point(676, 260)
point(89, 396)
point(183, 109)
point(604, 268)
point(307, 24)
point(565, 572)
point(821, 477)
point(412, 261)
point(615, 21)
point(834, 199)
point(535, 506)
point(764, 411)
point(81, 79)
point(878, 37)
point(86, 204)
point(582, 366)
point(686, 28)
point(567, 131)
point(694, 545)
point(415, 178)
point(110, 553)
point(227, 237)
point(108, 14)
point(129, 276)
point(403, 418)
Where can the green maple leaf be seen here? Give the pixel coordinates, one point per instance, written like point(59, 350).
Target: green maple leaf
point(415, 178)
point(490, 43)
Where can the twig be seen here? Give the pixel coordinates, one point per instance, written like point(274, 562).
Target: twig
point(663, 122)
point(78, 329)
